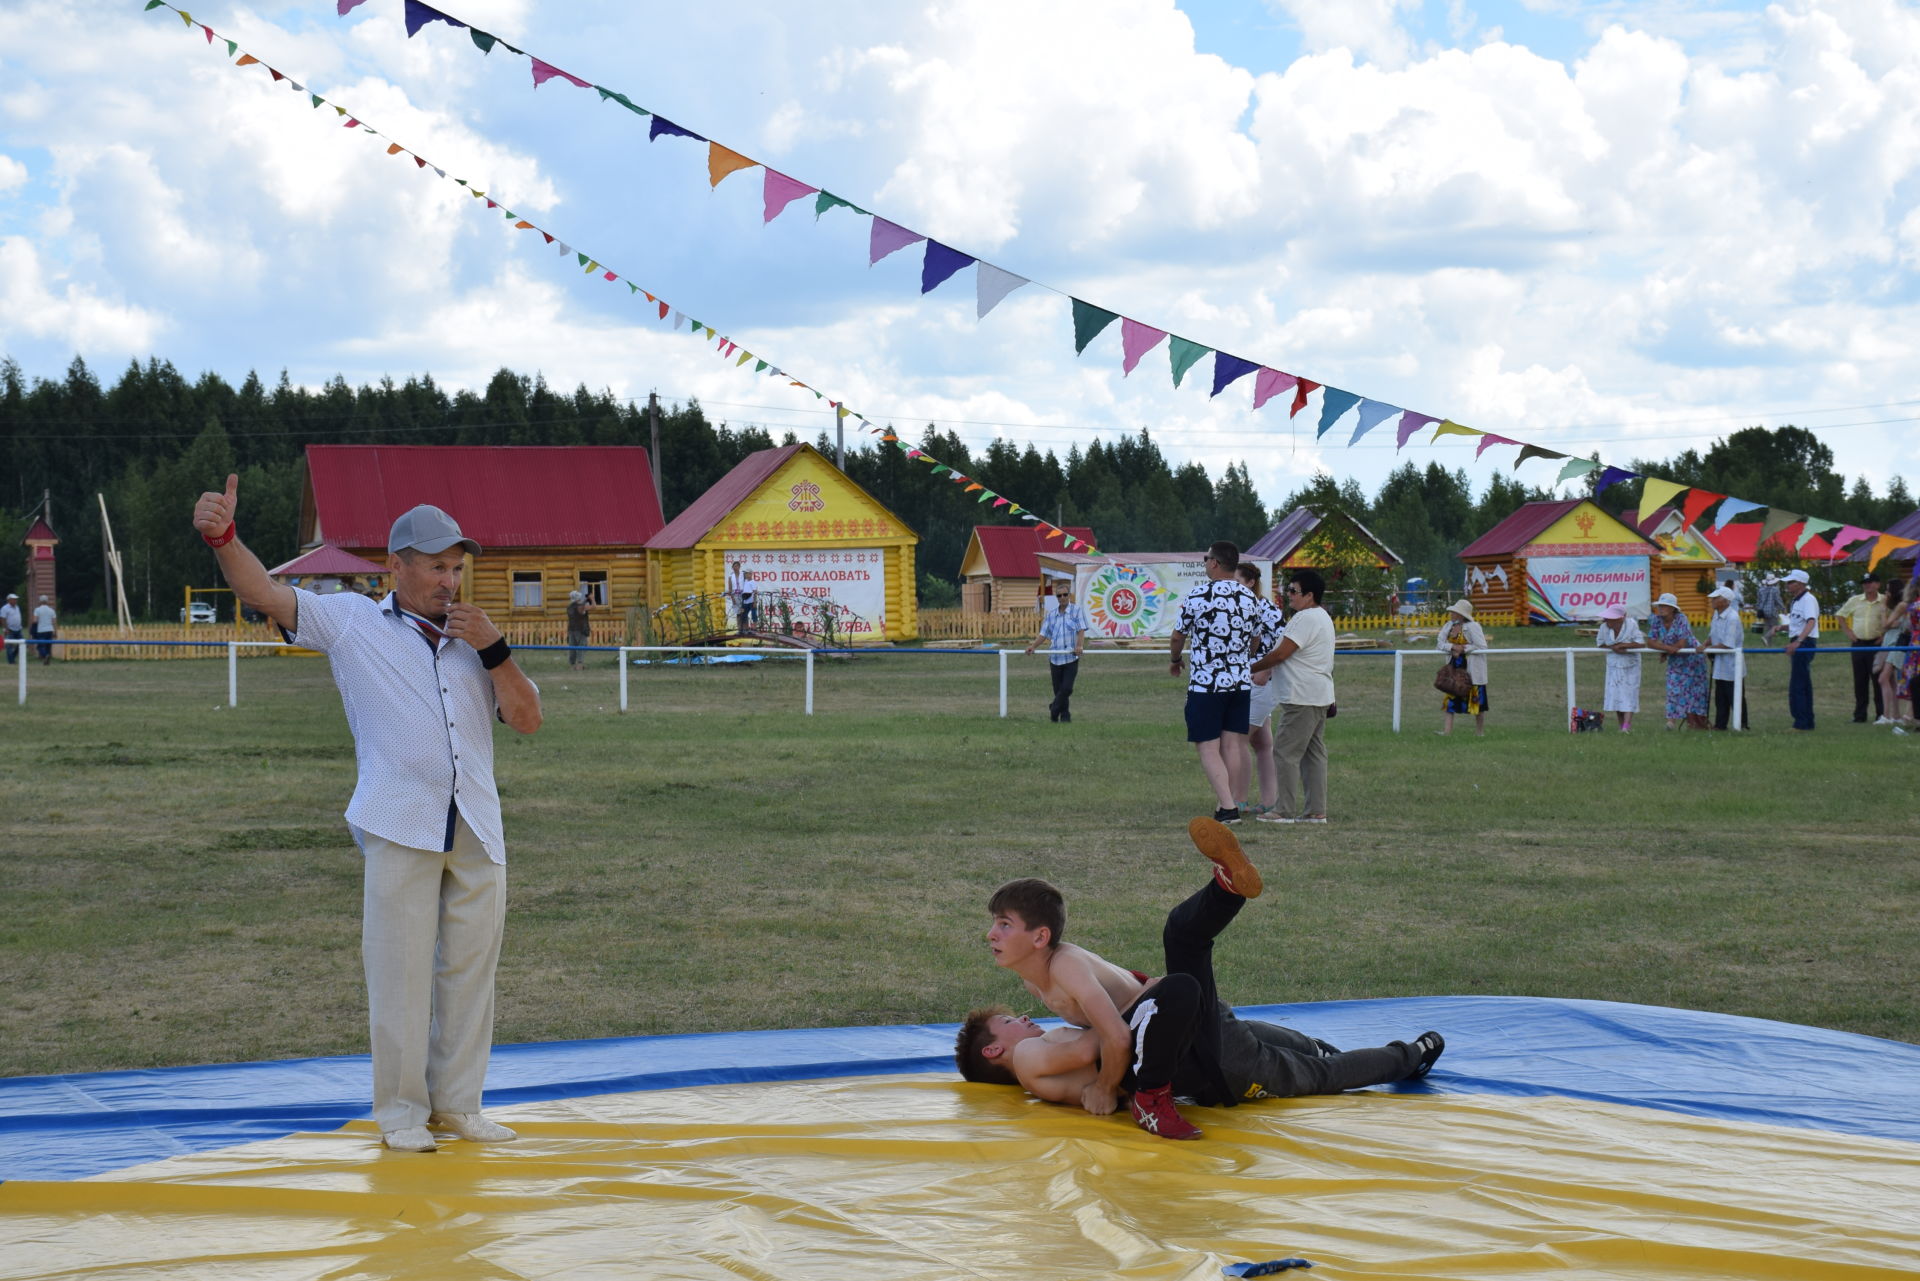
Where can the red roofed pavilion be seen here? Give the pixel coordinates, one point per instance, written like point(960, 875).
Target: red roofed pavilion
point(1001, 568)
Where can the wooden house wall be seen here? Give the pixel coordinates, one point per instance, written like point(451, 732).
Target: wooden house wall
point(489, 578)
point(1683, 580)
point(1511, 599)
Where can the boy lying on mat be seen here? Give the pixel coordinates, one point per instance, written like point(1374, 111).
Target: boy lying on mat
point(1154, 1039)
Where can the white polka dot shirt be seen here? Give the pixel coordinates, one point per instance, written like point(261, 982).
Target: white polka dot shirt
point(422, 721)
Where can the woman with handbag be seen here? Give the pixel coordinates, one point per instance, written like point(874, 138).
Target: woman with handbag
point(1464, 679)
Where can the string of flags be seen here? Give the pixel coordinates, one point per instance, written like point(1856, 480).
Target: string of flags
point(725, 347)
point(941, 262)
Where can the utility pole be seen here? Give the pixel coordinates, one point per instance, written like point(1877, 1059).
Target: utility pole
point(653, 416)
point(839, 441)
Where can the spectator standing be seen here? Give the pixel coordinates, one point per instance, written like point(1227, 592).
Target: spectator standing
point(1669, 632)
point(425, 811)
point(1064, 631)
point(1725, 632)
point(1909, 683)
point(1221, 616)
point(1768, 607)
point(1621, 637)
point(749, 601)
point(1803, 639)
point(1890, 663)
point(1465, 644)
point(579, 629)
point(1863, 618)
point(1268, 689)
point(736, 580)
point(43, 629)
point(10, 622)
point(1299, 745)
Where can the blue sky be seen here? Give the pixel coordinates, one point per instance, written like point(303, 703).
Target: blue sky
point(1624, 227)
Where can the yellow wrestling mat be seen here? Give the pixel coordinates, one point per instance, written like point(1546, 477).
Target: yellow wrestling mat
point(923, 1177)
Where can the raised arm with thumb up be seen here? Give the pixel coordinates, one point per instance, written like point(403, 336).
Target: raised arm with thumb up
point(213, 520)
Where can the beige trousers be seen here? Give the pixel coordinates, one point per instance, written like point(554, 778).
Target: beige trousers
point(430, 939)
point(1300, 758)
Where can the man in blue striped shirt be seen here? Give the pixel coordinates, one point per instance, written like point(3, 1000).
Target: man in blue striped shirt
point(1064, 630)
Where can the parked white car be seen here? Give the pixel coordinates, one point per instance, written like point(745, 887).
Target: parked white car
point(199, 612)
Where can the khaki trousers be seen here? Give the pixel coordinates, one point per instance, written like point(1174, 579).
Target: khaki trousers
point(1300, 758)
point(430, 939)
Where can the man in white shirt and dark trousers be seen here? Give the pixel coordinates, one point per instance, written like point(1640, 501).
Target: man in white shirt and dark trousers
point(10, 623)
point(1725, 632)
point(1803, 637)
point(1299, 744)
point(422, 676)
point(1063, 629)
point(1222, 617)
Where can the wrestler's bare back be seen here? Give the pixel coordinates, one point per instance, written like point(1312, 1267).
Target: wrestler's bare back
point(1066, 964)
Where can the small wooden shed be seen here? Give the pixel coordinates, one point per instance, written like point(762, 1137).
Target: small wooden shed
point(1001, 568)
point(1690, 564)
point(40, 540)
point(1554, 562)
point(801, 527)
point(1334, 540)
point(549, 519)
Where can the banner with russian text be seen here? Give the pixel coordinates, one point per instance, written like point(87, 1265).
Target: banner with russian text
point(1563, 589)
point(851, 582)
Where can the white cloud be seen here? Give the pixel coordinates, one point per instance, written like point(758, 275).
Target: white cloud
point(12, 174)
point(36, 304)
point(1370, 29)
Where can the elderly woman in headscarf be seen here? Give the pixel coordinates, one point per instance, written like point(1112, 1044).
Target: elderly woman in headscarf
point(1669, 632)
point(1465, 645)
point(1620, 637)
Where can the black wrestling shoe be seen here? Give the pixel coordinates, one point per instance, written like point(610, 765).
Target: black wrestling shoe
point(1430, 1045)
point(1227, 814)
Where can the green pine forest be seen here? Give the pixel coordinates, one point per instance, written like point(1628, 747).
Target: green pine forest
point(152, 440)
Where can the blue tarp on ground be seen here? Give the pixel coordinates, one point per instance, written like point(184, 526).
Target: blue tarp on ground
point(1712, 1065)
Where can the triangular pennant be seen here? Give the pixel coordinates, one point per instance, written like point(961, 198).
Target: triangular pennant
point(1848, 535)
point(1183, 354)
point(1372, 414)
point(1302, 388)
point(1813, 529)
point(1452, 428)
point(1697, 503)
point(970, 488)
point(419, 15)
point(1535, 451)
point(246, 60)
point(1655, 494)
point(1333, 403)
point(722, 161)
point(887, 237)
point(779, 192)
point(545, 71)
point(1088, 321)
point(348, 6)
point(661, 125)
point(608, 95)
point(1883, 545)
point(999, 502)
point(277, 76)
point(1491, 439)
point(1269, 383)
point(939, 265)
point(827, 200)
point(1136, 340)
point(1775, 522)
point(1575, 467)
point(1226, 369)
point(394, 148)
point(481, 39)
point(759, 365)
point(991, 284)
point(1733, 507)
point(1612, 476)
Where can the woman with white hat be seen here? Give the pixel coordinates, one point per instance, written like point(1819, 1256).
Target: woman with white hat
point(1465, 645)
point(1620, 637)
point(1669, 632)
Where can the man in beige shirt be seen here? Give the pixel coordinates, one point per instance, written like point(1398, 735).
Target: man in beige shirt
point(1864, 618)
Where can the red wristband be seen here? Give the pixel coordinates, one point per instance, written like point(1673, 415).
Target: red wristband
point(223, 539)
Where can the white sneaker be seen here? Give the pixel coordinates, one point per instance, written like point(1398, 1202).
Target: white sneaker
point(1899, 731)
point(1884, 720)
point(414, 1138)
point(471, 1126)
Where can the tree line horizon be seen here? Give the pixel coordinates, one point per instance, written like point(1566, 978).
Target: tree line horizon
point(153, 440)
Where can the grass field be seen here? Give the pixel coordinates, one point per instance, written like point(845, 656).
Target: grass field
point(179, 886)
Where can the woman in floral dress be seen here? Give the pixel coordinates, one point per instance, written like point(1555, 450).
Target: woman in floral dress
point(1669, 632)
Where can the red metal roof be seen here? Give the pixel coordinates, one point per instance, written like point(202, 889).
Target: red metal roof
point(502, 495)
point(725, 494)
point(1012, 551)
point(40, 531)
point(1517, 530)
point(326, 559)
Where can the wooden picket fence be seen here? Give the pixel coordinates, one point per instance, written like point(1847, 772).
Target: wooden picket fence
point(136, 643)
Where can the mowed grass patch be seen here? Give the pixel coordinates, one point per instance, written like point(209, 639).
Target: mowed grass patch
point(181, 888)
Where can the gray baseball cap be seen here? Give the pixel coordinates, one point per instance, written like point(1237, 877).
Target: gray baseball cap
point(428, 529)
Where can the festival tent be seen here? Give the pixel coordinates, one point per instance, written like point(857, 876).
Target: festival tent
point(803, 529)
point(1001, 567)
point(1552, 562)
point(326, 562)
point(1556, 1140)
point(1740, 542)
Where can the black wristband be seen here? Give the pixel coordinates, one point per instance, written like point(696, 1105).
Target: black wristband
point(495, 654)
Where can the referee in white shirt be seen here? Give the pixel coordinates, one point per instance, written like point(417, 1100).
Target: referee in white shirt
point(422, 676)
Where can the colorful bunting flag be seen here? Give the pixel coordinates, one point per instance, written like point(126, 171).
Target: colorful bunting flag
point(1183, 354)
point(1333, 403)
point(1088, 321)
point(1655, 494)
point(1575, 467)
point(939, 265)
point(1372, 414)
point(1733, 507)
point(1535, 451)
point(419, 15)
point(1811, 529)
point(659, 125)
point(1776, 521)
point(1228, 368)
point(1302, 388)
point(545, 71)
point(1696, 505)
point(827, 200)
point(1488, 439)
point(1136, 340)
point(1411, 422)
point(779, 192)
point(991, 285)
point(1610, 477)
point(722, 161)
point(1269, 383)
point(1848, 535)
point(885, 238)
point(1885, 544)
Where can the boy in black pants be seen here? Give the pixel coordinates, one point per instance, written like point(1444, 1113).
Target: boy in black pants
point(1176, 1036)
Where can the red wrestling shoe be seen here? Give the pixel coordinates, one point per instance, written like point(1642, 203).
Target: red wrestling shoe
point(1231, 867)
point(1154, 1112)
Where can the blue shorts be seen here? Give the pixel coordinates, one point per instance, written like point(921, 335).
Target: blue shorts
point(1211, 715)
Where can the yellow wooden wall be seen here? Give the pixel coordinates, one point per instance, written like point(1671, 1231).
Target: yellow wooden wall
point(490, 579)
